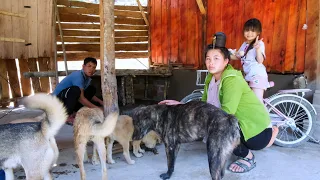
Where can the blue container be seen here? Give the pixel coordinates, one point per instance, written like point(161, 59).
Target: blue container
point(2, 175)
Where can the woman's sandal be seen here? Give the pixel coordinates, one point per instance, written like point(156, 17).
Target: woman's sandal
point(245, 167)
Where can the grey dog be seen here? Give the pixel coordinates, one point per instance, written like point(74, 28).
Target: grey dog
point(32, 145)
point(186, 123)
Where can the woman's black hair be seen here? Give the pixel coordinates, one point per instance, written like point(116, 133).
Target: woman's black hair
point(225, 52)
point(252, 25)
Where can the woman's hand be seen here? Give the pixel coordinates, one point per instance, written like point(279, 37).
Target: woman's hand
point(170, 102)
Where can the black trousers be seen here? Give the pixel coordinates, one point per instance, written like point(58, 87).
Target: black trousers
point(257, 142)
point(70, 97)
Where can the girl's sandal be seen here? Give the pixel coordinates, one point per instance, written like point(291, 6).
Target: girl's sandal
point(245, 167)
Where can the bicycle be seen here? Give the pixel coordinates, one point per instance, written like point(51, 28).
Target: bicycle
point(288, 109)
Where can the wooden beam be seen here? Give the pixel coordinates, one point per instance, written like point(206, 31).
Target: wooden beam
point(162, 72)
point(4, 83)
point(97, 33)
point(119, 55)
point(142, 13)
point(107, 57)
point(12, 40)
point(117, 39)
point(69, 10)
point(13, 77)
point(12, 14)
point(96, 47)
point(201, 7)
point(25, 82)
point(69, 26)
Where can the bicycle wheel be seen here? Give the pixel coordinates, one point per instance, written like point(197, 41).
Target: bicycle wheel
point(192, 97)
point(294, 131)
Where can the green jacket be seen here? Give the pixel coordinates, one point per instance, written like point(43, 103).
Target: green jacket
point(238, 99)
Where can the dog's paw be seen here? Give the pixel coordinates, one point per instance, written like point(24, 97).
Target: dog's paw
point(141, 151)
point(111, 161)
point(138, 155)
point(131, 162)
point(165, 176)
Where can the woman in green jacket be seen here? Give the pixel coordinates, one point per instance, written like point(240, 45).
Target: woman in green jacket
point(226, 88)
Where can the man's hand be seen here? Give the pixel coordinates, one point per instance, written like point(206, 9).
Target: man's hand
point(170, 102)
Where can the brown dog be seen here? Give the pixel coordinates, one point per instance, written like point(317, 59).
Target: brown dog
point(123, 134)
point(90, 125)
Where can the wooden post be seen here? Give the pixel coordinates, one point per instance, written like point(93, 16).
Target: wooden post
point(107, 57)
point(316, 95)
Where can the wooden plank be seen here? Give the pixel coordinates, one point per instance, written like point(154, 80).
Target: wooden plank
point(143, 14)
point(95, 6)
point(13, 78)
point(43, 66)
point(32, 63)
point(130, 21)
point(312, 40)
point(78, 18)
point(190, 12)
point(81, 10)
point(44, 28)
point(227, 25)
point(174, 31)
point(268, 28)
point(164, 30)
point(211, 21)
point(130, 14)
point(21, 29)
point(97, 33)
point(4, 80)
point(65, 26)
point(77, 4)
point(119, 55)
point(301, 39)
point(279, 36)
point(7, 30)
point(33, 29)
point(6, 13)
point(201, 7)
point(183, 32)
point(25, 82)
point(217, 16)
point(152, 29)
point(16, 40)
point(124, 39)
point(96, 47)
point(292, 30)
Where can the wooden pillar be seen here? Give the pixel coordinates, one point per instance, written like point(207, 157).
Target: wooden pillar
point(25, 82)
point(4, 91)
point(107, 57)
point(13, 78)
point(316, 96)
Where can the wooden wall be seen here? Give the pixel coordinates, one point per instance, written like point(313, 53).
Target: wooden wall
point(25, 34)
point(176, 32)
point(176, 27)
point(80, 24)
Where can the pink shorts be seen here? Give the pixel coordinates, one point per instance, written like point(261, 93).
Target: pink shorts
point(259, 82)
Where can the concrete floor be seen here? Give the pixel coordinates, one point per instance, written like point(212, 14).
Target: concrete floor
point(274, 163)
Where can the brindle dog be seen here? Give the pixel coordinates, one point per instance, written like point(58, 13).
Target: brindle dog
point(186, 123)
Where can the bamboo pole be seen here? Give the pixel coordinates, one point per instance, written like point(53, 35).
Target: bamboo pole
point(143, 14)
point(62, 41)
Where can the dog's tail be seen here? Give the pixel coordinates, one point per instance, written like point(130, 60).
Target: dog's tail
point(221, 143)
point(107, 126)
point(53, 107)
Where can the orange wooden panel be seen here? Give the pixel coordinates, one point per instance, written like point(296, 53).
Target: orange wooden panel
point(191, 36)
point(152, 33)
point(164, 32)
point(157, 31)
point(267, 29)
point(13, 77)
point(292, 30)
point(301, 39)
point(183, 32)
point(217, 16)
point(249, 10)
point(210, 21)
point(279, 36)
point(312, 40)
point(174, 30)
point(227, 21)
